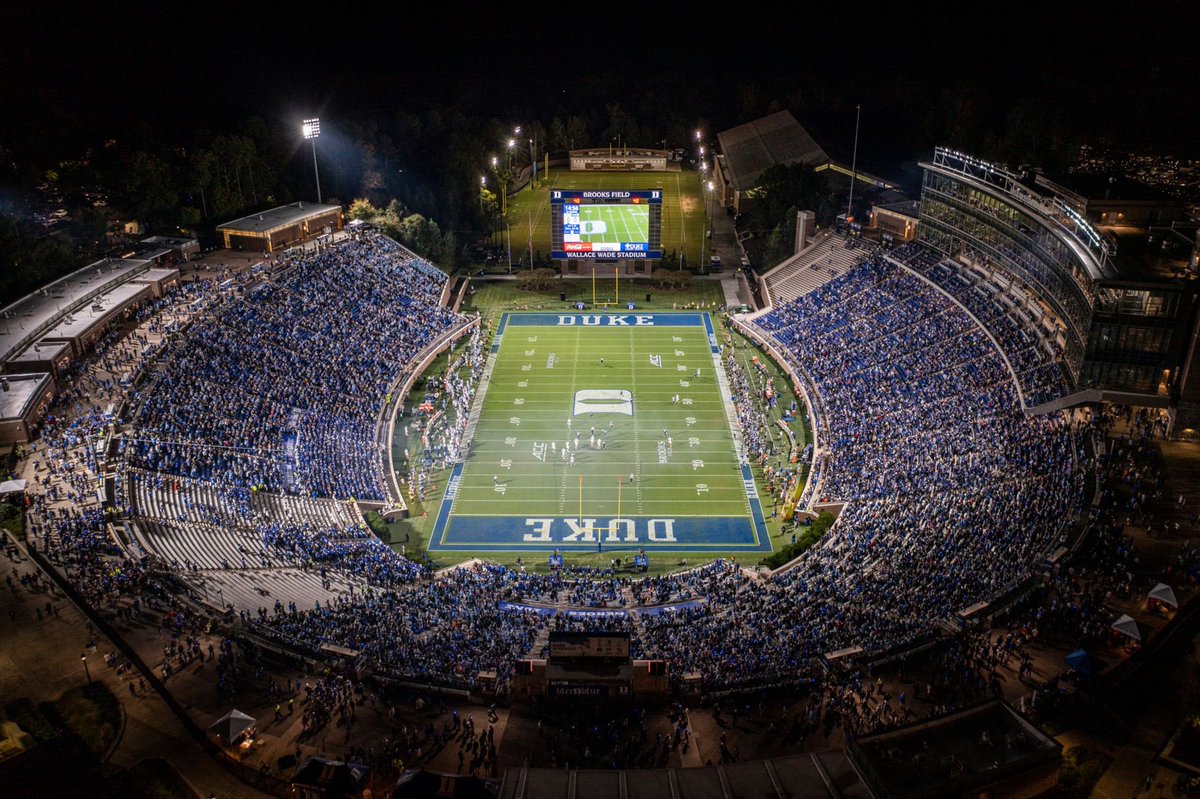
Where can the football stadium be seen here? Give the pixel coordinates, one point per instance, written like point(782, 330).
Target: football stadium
point(359, 482)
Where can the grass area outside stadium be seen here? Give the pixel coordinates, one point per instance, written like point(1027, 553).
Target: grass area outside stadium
point(683, 222)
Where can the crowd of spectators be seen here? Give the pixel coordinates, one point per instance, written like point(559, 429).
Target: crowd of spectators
point(952, 492)
point(1032, 359)
point(280, 388)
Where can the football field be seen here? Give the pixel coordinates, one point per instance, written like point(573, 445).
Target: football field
point(602, 432)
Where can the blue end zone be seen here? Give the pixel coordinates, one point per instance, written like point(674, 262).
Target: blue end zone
point(499, 332)
point(712, 334)
point(630, 319)
point(592, 534)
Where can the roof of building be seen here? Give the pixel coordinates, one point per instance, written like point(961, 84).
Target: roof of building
point(806, 776)
point(335, 778)
point(276, 218)
point(27, 319)
point(171, 242)
point(158, 274)
point(1143, 258)
point(909, 208)
point(78, 322)
point(983, 744)
point(22, 390)
point(754, 147)
point(41, 350)
point(646, 152)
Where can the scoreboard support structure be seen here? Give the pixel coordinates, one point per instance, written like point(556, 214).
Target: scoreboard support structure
point(590, 667)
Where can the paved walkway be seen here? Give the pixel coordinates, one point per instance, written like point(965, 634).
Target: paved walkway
point(40, 659)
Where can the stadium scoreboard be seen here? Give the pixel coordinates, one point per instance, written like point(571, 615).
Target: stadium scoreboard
point(606, 224)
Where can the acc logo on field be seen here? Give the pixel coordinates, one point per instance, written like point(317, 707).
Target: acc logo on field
point(603, 400)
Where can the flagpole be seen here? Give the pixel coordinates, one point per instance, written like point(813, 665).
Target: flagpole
point(853, 164)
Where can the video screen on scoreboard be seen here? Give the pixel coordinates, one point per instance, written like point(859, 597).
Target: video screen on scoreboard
point(606, 224)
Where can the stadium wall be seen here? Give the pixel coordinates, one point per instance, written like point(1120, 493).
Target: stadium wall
point(807, 391)
point(623, 160)
point(386, 424)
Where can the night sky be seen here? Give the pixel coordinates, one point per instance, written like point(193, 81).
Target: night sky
point(94, 69)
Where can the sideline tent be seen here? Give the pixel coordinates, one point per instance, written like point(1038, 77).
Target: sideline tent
point(1128, 627)
point(1163, 593)
point(1081, 661)
point(12, 487)
point(231, 725)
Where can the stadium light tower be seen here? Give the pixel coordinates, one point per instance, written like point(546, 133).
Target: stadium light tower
point(853, 165)
point(708, 208)
point(312, 130)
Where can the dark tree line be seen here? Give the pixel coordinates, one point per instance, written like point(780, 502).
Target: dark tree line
point(429, 157)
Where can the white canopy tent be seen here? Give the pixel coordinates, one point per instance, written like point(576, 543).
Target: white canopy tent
point(1128, 627)
point(1163, 593)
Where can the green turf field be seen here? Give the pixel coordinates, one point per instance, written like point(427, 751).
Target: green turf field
point(683, 221)
point(536, 381)
point(669, 491)
point(622, 430)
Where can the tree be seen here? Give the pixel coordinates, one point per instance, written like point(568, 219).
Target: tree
point(420, 234)
point(557, 136)
point(679, 279)
point(30, 258)
point(781, 190)
point(538, 279)
point(577, 132)
point(662, 277)
point(148, 190)
point(202, 170)
point(362, 209)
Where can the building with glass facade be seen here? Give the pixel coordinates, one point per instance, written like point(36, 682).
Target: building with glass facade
point(1119, 332)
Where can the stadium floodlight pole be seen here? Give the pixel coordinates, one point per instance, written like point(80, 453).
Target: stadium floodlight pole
point(482, 186)
point(853, 164)
point(312, 130)
point(708, 208)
